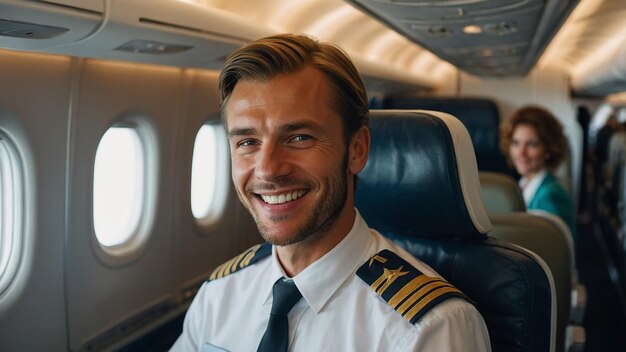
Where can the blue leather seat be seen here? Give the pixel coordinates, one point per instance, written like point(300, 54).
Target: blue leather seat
point(479, 116)
point(420, 188)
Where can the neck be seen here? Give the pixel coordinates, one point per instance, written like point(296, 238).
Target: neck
point(529, 177)
point(296, 257)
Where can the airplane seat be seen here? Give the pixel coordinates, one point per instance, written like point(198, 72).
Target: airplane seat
point(480, 117)
point(500, 193)
point(549, 237)
point(617, 164)
point(613, 196)
point(614, 173)
point(420, 188)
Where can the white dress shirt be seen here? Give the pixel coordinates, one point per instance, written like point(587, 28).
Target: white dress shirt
point(530, 187)
point(338, 311)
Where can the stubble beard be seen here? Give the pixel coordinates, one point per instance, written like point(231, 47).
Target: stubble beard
point(322, 217)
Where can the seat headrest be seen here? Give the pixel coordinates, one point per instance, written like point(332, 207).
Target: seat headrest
point(501, 194)
point(421, 178)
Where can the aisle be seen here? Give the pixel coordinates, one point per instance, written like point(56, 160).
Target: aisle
point(605, 318)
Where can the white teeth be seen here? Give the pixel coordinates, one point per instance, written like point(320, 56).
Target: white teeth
point(283, 198)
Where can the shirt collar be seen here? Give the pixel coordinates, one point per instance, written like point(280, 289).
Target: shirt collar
point(274, 273)
point(532, 185)
point(320, 280)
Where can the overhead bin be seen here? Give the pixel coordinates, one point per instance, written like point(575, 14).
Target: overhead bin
point(481, 37)
point(166, 32)
point(36, 25)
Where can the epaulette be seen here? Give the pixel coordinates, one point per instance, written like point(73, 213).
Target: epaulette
point(405, 288)
point(249, 257)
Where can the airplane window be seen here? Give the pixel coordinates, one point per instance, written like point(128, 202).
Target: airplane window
point(209, 174)
point(118, 188)
point(11, 192)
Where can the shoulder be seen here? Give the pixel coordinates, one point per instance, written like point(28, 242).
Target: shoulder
point(550, 182)
point(249, 257)
point(409, 291)
point(551, 189)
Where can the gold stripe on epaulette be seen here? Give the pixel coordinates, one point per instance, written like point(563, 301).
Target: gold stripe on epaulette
point(234, 264)
point(224, 269)
point(220, 273)
point(409, 288)
point(429, 298)
point(419, 294)
point(249, 256)
point(215, 271)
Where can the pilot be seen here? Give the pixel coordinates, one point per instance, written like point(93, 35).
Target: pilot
point(296, 115)
point(534, 142)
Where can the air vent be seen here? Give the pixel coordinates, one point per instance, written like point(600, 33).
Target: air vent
point(500, 29)
point(152, 47)
point(435, 31)
point(16, 29)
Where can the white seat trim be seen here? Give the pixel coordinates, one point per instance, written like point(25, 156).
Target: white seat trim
point(468, 170)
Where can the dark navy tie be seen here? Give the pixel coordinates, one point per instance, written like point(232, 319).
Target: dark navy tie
point(276, 337)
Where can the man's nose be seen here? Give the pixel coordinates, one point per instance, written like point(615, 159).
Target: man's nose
point(272, 163)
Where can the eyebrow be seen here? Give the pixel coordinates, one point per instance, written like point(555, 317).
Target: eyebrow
point(292, 127)
point(241, 132)
point(286, 128)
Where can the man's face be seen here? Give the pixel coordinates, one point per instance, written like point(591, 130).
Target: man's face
point(289, 158)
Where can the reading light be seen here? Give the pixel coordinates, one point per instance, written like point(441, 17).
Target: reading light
point(472, 29)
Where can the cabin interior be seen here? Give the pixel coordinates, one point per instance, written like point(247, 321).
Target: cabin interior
point(72, 69)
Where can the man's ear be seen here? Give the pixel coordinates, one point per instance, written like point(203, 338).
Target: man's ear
point(358, 150)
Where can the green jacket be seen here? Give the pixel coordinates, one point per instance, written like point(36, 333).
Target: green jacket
point(552, 198)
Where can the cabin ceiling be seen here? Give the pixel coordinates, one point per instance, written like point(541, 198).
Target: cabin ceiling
point(586, 38)
point(419, 43)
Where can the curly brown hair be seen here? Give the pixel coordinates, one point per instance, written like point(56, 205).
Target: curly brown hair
point(547, 127)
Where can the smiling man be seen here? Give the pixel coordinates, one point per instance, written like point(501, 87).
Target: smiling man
point(297, 120)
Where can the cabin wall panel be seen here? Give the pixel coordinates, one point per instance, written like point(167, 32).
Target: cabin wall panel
point(199, 250)
point(61, 107)
point(35, 91)
point(101, 295)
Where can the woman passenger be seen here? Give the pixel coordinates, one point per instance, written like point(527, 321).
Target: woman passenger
point(534, 143)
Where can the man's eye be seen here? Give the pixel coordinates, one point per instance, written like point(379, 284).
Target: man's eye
point(246, 143)
point(300, 138)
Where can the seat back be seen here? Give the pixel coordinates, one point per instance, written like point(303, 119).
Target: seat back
point(500, 192)
point(542, 236)
point(479, 116)
point(420, 188)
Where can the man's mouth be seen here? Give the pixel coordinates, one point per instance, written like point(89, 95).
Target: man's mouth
point(282, 198)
